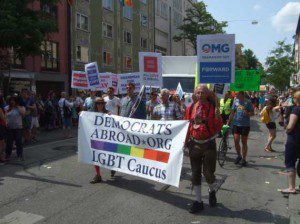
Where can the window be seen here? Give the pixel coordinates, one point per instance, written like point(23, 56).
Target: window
point(144, 20)
point(127, 37)
point(144, 43)
point(50, 10)
point(82, 54)
point(164, 10)
point(107, 58)
point(82, 22)
point(107, 30)
point(50, 59)
point(177, 4)
point(127, 12)
point(128, 63)
point(107, 4)
point(177, 19)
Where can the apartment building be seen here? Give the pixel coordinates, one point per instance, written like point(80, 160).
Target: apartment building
point(295, 79)
point(111, 34)
point(169, 14)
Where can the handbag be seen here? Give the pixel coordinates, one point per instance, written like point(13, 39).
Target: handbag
point(265, 117)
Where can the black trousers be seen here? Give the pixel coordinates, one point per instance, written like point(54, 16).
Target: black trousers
point(14, 135)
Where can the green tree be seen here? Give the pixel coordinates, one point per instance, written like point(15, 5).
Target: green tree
point(198, 21)
point(280, 65)
point(252, 61)
point(23, 28)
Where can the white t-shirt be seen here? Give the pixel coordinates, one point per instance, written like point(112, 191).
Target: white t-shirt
point(112, 105)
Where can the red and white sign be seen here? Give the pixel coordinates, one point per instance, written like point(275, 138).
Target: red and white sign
point(79, 80)
point(151, 67)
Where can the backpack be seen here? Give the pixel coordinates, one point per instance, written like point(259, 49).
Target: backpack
point(67, 110)
point(265, 117)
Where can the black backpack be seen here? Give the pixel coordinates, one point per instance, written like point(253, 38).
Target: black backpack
point(67, 110)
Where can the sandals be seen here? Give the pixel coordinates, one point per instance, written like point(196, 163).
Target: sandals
point(268, 149)
point(288, 191)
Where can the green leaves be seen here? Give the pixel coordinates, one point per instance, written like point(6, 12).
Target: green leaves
point(198, 21)
point(22, 28)
point(280, 65)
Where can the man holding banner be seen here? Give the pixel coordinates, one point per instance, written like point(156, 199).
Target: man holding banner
point(206, 123)
point(128, 101)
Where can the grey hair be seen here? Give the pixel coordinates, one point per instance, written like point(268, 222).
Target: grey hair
point(165, 90)
point(202, 86)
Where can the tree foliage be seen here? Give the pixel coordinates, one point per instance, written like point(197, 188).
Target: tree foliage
point(247, 60)
point(23, 28)
point(280, 65)
point(198, 21)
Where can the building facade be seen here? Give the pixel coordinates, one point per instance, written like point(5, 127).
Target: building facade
point(49, 71)
point(169, 14)
point(295, 79)
point(111, 34)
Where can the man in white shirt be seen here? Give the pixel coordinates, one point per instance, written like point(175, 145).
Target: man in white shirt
point(113, 103)
point(65, 107)
point(89, 102)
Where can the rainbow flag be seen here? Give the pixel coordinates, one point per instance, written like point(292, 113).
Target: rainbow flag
point(149, 154)
point(126, 3)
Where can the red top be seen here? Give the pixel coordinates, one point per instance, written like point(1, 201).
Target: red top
point(206, 124)
point(2, 121)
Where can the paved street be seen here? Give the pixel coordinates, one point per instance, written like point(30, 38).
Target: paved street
point(54, 188)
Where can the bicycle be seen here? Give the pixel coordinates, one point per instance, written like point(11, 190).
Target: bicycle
point(223, 146)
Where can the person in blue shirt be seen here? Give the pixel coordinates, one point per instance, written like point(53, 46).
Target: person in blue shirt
point(261, 101)
point(240, 114)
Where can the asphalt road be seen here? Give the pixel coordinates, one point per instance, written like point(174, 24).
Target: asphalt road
point(50, 186)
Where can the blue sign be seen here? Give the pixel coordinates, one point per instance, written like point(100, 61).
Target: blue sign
point(215, 72)
point(216, 58)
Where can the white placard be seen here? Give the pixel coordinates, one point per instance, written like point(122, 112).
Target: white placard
point(135, 78)
point(216, 58)
point(150, 64)
point(92, 72)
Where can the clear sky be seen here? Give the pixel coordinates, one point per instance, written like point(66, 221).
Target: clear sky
point(277, 20)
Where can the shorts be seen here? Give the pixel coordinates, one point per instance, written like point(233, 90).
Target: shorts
point(35, 122)
point(67, 122)
point(241, 130)
point(291, 155)
point(2, 132)
point(271, 126)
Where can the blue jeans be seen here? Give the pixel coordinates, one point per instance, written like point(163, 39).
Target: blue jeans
point(14, 135)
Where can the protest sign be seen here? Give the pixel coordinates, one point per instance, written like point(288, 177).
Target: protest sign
point(246, 80)
point(135, 78)
point(105, 81)
point(92, 72)
point(179, 91)
point(114, 82)
point(143, 148)
point(216, 58)
point(220, 90)
point(151, 67)
point(79, 80)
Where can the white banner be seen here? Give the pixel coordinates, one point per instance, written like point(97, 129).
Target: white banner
point(150, 64)
point(143, 148)
point(216, 58)
point(92, 72)
point(135, 78)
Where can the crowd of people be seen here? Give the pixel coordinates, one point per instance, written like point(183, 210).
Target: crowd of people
point(21, 116)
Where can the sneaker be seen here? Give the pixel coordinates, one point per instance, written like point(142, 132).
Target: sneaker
point(97, 179)
point(244, 163)
point(196, 207)
point(237, 160)
point(112, 173)
point(212, 198)
point(20, 158)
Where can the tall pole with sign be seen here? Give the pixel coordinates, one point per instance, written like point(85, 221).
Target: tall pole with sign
point(216, 58)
